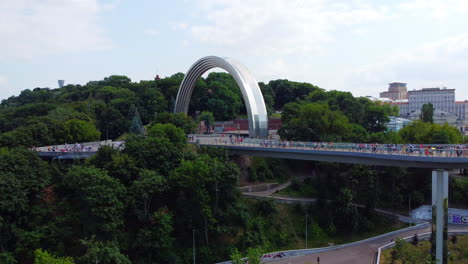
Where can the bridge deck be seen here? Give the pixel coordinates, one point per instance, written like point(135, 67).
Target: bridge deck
point(438, 159)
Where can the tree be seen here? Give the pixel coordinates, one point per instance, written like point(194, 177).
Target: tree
point(180, 120)
point(98, 200)
point(313, 122)
point(136, 126)
point(346, 214)
point(148, 186)
point(236, 257)
point(208, 120)
point(169, 131)
point(254, 255)
point(44, 257)
point(287, 91)
point(118, 165)
point(207, 190)
point(419, 132)
point(155, 243)
point(75, 130)
point(111, 122)
point(151, 102)
point(427, 113)
point(102, 252)
point(157, 151)
point(23, 178)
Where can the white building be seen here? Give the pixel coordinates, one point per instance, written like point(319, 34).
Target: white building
point(442, 99)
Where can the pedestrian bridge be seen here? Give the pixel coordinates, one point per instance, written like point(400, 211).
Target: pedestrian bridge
point(410, 156)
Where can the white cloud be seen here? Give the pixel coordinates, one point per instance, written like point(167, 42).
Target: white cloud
point(439, 9)
point(278, 26)
point(42, 27)
point(440, 63)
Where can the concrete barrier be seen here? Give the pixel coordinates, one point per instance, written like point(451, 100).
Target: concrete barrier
point(258, 188)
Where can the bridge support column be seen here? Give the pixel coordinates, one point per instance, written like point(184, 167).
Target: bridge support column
point(439, 215)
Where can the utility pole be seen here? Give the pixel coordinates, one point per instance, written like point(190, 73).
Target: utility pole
point(409, 207)
point(307, 215)
point(193, 238)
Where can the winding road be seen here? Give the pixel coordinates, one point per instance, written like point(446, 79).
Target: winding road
point(355, 254)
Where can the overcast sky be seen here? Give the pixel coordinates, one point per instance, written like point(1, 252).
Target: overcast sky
point(358, 46)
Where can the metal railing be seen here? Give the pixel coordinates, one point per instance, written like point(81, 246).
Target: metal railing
point(427, 150)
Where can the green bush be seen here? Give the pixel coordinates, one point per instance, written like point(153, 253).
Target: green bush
point(44, 257)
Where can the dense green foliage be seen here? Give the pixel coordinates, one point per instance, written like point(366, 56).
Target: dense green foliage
point(335, 116)
point(142, 204)
point(108, 108)
point(44, 257)
point(135, 206)
point(420, 132)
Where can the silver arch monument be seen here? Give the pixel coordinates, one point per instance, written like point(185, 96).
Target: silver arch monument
point(253, 98)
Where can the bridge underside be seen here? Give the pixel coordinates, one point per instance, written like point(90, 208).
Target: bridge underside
point(375, 159)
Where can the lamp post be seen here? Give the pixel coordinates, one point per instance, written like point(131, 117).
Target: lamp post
point(307, 215)
point(193, 241)
point(409, 206)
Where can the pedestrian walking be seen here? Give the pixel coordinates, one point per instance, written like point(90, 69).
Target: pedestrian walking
point(318, 260)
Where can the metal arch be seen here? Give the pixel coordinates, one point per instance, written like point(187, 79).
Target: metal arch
point(253, 98)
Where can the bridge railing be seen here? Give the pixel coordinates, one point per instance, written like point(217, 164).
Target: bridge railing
point(435, 150)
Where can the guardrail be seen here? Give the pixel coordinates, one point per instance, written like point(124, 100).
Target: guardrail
point(433, 150)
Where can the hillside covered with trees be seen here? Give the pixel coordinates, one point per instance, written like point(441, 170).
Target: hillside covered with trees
point(144, 204)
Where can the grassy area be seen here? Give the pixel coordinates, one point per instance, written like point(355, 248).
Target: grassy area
point(420, 253)
point(284, 228)
point(275, 115)
point(304, 189)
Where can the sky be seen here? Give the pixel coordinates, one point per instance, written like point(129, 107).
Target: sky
point(348, 45)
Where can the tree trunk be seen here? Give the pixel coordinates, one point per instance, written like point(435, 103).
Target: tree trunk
point(206, 232)
point(217, 198)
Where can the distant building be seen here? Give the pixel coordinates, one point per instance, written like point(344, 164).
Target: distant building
point(396, 91)
point(443, 100)
point(397, 123)
point(61, 83)
point(439, 117)
point(461, 108)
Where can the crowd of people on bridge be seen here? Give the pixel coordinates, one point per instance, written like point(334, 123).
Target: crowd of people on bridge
point(79, 147)
point(438, 150)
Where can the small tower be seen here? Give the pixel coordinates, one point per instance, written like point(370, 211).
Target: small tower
point(61, 83)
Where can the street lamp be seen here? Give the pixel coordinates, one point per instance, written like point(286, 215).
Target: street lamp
point(409, 207)
point(307, 215)
point(193, 241)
